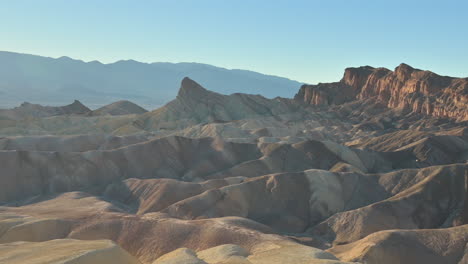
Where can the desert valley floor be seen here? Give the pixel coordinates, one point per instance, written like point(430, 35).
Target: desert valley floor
point(370, 169)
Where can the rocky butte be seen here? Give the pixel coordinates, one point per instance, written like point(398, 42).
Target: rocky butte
point(405, 88)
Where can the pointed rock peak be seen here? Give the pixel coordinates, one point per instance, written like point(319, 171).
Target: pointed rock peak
point(403, 71)
point(76, 102)
point(78, 106)
point(191, 88)
point(404, 67)
point(189, 83)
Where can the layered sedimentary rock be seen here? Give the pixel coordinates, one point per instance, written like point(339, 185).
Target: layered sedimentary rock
point(240, 179)
point(29, 173)
point(148, 236)
point(433, 197)
point(405, 88)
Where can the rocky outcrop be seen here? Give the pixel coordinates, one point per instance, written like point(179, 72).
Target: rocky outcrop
point(119, 108)
point(197, 112)
point(406, 88)
point(194, 105)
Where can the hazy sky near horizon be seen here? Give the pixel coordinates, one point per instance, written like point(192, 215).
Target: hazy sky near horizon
point(309, 41)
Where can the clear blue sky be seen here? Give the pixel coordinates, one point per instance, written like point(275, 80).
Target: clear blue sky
point(309, 41)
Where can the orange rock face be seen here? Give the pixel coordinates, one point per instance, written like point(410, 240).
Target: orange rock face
point(406, 88)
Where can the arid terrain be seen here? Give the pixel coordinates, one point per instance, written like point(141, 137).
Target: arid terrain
point(370, 169)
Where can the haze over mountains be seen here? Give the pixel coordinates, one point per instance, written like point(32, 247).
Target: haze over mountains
point(49, 81)
point(370, 169)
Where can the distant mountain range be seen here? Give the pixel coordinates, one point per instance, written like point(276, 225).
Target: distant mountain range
point(50, 81)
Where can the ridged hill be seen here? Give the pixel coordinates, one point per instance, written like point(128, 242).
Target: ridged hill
point(195, 104)
point(122, 107)
point(26, 110)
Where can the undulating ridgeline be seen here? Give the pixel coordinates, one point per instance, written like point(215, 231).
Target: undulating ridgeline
point(370, 169)
point(54, 81)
